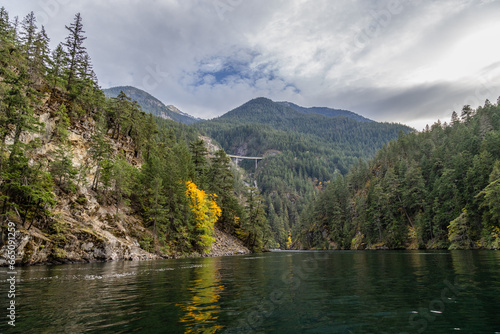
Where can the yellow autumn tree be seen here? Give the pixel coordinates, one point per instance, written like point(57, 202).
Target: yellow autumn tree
point(289, 240)
point(205, 212)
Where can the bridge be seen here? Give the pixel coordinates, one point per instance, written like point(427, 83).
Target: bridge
point(247, 158)
point(242, 157)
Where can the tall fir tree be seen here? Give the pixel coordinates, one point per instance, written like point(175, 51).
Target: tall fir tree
point(75, 51)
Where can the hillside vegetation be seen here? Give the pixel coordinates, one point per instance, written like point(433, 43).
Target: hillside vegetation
point(89, 177)
point(303, 149)
point(326, 111)
point(439, 188)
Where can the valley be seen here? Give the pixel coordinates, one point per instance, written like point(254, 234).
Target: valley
point(91, 174)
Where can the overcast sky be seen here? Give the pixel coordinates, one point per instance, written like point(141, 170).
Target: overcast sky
point(397, 61)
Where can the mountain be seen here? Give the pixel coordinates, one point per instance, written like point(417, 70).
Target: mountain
point(302, 151)
point(350, 134)
point(326, 111)
point(152, 105)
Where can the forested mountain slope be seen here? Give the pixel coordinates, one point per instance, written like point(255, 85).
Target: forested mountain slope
point(152, 105)
point(84, 177)
point(439, 188)
point(326, 111)
point(302, 151)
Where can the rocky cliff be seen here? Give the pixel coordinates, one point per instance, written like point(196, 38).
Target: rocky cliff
point(83, 226)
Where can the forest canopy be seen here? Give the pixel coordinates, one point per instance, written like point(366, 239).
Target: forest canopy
point(439, 188)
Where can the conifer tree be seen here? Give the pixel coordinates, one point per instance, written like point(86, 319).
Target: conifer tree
point(100, 150)
point(59, 63)
point(62, 168)
point(199, 153)
point(28, 36)
point(491, 202)
point(122, 106)
point(7, 35)
point(41, 61)
point(255, 225)
point(75, 51)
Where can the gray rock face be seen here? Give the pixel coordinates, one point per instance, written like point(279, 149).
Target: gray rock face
point(225, 244)
point(33, 248)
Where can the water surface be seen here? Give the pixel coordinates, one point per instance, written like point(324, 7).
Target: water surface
point(280, 292)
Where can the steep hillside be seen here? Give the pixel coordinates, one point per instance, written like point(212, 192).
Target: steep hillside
point(152, 105)
point(439, 188)
point(301, 152)
point(345, 135)
point(89, 178)
point(83, 223)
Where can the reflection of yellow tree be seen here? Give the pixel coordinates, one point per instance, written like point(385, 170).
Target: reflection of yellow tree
point(206, 212)
point(201, 310)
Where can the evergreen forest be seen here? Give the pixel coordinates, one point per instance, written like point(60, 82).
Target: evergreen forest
point(302, 149)
point(439, 188)
point(155, 169)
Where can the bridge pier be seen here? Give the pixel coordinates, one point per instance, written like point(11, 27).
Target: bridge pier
point(248, 158)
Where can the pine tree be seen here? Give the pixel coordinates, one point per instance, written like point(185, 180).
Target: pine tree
point(7, 34)
point(123, 178)
point(467, 113)
point(41, 61)
point(458, 232)
point(75, 51)
point(24, 187)
point(255, 224)
point(122, 106)
point(61, 130)
point(199, 153)
point(62, 168)
point(156, 211)
point(100, 150)
point(28, 36)
point(220, 182)
point(491, 202)
point(18, 108)
point(454, 118)
point(59, 64)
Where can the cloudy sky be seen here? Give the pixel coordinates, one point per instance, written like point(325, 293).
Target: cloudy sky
point(403, 61)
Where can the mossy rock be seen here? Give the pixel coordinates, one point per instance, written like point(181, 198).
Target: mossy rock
point(58, 253)
point(87, 235)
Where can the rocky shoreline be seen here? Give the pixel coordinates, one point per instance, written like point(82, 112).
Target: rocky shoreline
point(35, 249)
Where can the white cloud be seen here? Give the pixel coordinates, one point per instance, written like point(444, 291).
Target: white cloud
point(401, 61)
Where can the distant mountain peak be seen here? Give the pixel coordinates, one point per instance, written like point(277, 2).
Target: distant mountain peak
point(151, 104)
point(329, 112)
point(263, 105)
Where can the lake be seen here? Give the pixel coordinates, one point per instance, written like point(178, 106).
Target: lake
point(278, 292)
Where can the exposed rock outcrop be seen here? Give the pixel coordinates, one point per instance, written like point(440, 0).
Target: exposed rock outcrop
point(225, 244)
point(85, 227)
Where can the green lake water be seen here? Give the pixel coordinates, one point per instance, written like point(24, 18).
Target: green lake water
point(279, 292)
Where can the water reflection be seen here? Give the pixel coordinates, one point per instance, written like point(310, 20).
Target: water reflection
point(340, 292)
point(202, 308)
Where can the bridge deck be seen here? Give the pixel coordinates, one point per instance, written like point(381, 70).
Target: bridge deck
point(242, 157)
